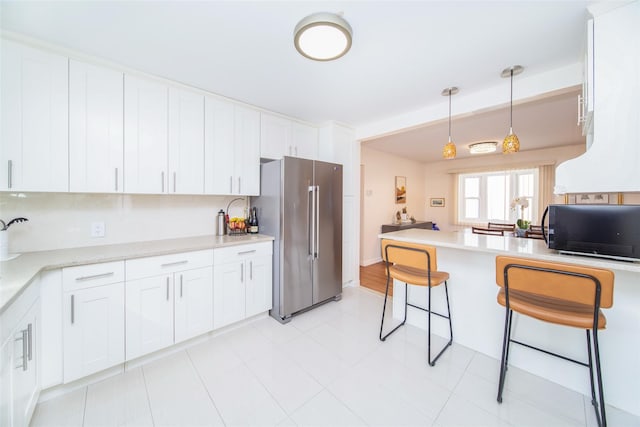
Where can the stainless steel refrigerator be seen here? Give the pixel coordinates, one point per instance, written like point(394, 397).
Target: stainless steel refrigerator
point(300, 204)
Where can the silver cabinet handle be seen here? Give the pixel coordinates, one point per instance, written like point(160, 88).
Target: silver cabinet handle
point(23, 337)
point(250, 270)
point(95, 276)
point(246, 252)
point(162, 178)
point(167, 289)
point(242, 273)
point(174, 182)
point(9, 173)
point(73, 309)
point(30, 339)
point(231, 184)
point(181, 286)
point(239, 185)
point(116, 179)
point(317, 227)
point(169, 264)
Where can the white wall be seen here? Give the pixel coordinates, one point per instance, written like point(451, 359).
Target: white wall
point(378, 204)
point(63, 220)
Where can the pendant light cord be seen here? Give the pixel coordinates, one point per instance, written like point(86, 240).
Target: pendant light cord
point(511, 105)
point(449, 114)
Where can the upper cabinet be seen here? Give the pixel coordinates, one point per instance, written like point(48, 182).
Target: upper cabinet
point(232, 149)
point(611, 162)
point(281, 137)
point(34, 135)
point(186, 142)
point(145, 136)
point(96, 109)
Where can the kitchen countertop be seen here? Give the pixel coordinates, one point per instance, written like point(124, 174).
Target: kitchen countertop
point(17, 273)
point(501, 245)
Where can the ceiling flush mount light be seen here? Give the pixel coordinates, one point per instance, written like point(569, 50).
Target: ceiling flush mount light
point(323, 36)
point(511, 143)
point(449, 150)
point(483, 147)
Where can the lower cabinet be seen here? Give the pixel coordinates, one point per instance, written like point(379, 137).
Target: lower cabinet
point(164, 309)
point(19, 361)
point(242, 282)
point(92, 319)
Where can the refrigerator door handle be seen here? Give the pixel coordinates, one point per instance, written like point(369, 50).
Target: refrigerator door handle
point(317, 225)
point(311, 219)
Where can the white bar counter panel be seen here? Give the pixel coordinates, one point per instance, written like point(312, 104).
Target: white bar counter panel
point(478, 320)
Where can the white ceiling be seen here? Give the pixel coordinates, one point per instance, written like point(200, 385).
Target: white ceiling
point(404, 53)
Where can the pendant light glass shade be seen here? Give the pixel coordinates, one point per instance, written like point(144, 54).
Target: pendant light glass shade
point(449, 150)
point(511, 143)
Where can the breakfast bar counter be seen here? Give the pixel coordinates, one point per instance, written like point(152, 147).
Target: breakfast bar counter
point(478, 320)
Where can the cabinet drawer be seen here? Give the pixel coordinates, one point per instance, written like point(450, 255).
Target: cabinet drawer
point(165, 264)
point(88, 276)
point(240, 252)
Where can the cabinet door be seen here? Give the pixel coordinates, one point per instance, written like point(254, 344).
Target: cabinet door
point(219, 148)
point(145, 136)
point(93, 330)
point(304, 141)
point(149, 318)
point(258, 285)
point(275, 136)
point(247, 151)
point(228, 293)
point(25, 375)
point(6, 373)
point(96, 129)
point(186, 142)
point(34, 129)
point(193, 303)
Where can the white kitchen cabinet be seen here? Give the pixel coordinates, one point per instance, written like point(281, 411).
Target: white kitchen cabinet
point(232, 149)
point(145, 136)
point(280, 137)
point(149, 321)
point(242, 282)
point(93, 318)
point(19, 358)
point(186, 142)
point(160, 289)
point(34, 129)
point(193, 295)
point(96, 142)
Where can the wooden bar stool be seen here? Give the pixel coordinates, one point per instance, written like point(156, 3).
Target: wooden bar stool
point(489, 231)
point(501, 226)
point(415, 264)
point(563, 294)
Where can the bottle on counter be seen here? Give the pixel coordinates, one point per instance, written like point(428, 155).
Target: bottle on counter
point(253, 221)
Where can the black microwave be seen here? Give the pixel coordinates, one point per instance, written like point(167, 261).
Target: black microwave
point(610, 231)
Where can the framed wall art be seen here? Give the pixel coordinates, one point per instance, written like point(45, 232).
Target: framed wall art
point(437, 202)
point(401, 189)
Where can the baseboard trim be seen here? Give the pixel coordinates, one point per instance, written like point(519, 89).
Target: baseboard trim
point(370, 261)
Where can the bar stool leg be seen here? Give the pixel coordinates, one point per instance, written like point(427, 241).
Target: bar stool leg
point(505, 350)
point(448, 316)
point(384, 308)
point(602, 417)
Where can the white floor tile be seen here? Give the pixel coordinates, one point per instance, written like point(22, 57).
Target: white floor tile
point(66, 410)
point(176, 394)
point(325, 410)
point(120, 400)
point(615, 417)
point(275, 331)
point(349, 348)
point(213, 358)
point(461, 412)
point(289, 384)
point(243, 401)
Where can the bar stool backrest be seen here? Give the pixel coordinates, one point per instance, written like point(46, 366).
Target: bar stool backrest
point(409, 254)
point(501, 226)
point(568, 282)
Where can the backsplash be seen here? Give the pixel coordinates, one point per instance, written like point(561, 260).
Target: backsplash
point(63, 220)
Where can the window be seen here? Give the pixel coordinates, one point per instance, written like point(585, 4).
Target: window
point(487, 196)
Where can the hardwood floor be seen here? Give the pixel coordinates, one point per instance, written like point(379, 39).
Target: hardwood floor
point(374, 277)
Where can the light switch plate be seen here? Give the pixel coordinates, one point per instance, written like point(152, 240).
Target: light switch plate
point(97, 229)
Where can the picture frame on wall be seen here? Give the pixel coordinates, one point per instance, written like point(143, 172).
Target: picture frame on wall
point(437, 202)
point(401, 189)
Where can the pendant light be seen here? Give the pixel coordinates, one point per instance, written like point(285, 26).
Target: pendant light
point(449, 150)
point(511, 143)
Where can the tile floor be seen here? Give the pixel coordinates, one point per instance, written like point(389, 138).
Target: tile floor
point(325, 368)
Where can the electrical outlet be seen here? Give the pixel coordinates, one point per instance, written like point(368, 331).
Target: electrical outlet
point(97, 229)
